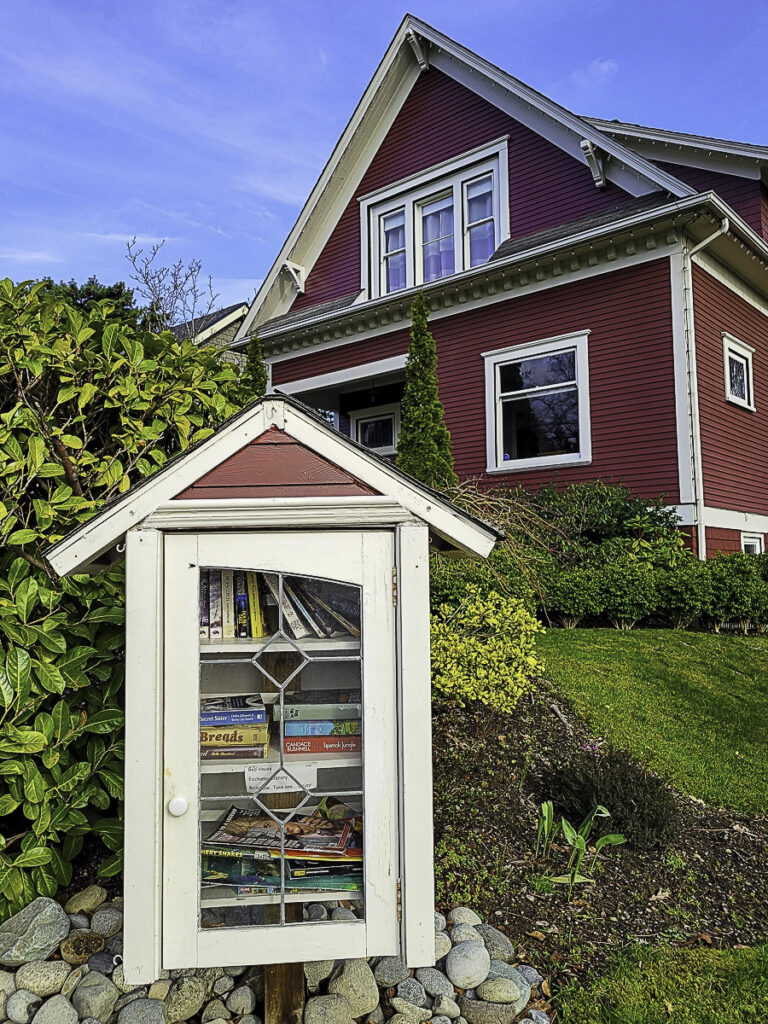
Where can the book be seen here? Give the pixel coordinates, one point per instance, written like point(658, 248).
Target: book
point(255, 753)
point(315, 705)
point(349, 859)
point(232, 711)
point(323, 727)
point(205, 609)
point(254, 606)
point(303, 833)
point(340, 608)
point(290, 614)
point(339, 746)
point(234, 735)
point(228, 604)
point(214, 603)
point(242, 618)
point(322, 618)
point(303, 611)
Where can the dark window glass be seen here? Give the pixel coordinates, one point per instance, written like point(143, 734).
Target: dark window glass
point(378, 433)
point(538, 425)
point(738, 373)
point(541, 372)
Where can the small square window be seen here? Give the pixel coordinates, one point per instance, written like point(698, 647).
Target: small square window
point(737, 363)
point(376, 428)
point(753, 543)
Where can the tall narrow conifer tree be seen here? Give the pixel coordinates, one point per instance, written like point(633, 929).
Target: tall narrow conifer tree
point(254, 376)
point(424, 444)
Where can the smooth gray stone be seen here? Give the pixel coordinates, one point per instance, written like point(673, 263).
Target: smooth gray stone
point(354, 980)
point(43, 977)
point(447, 1006)
point(343, 914)
point(115, 945)
point(477, 1011)
point(107, 921)
point(213, 1010)
point(20, 1006)
point(530, 974)
point(538, 1017)
point(442, 944)
point(316, 971)
point(95, 996)
point(467, 964)
point(504, 990)
point(463, 915)
point(441, 1019)
point(129, 997)
point(34, 933)
point(241, 1000)
point(317, 912)
point(331, 1009)
point(462, 932)
point(73, 980)
point(86, 901)
point(79, 921)
point(440, 922)
point(185, 998)
point(57, 1010)
point(434, 982)
point(390, 971)
point(413, 991)
point(102, 962)
point(376, 1016)
point(235, 972)
point(498, 945)
point(410, 1010)
point(143, 1011)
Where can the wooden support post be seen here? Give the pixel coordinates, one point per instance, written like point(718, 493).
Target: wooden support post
point(284, 986)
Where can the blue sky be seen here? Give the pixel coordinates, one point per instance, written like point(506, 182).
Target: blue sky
point(206, 122)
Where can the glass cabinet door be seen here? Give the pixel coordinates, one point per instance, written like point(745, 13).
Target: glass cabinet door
point(281, 740)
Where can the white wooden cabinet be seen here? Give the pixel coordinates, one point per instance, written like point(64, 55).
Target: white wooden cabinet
point(242, 833)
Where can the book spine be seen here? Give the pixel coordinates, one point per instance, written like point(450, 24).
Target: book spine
point(209, 718)
point(315, 712)
point(241, 605)
point(298, 629)
point(205, 608)
point(323, 745)
point(302, 610)
point(228, 603)
point(254, 605)
point(257, 753)
point(214, 602)
point(328, 727)
point(235, 852)
point(235, 736)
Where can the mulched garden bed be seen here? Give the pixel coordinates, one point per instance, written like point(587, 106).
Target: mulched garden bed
point(708, 884)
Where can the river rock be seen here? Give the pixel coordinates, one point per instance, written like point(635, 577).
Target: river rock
point(223, 985)
point(129, 997)
point(43, 977)
point(95, 996)
point(477, 1011)
point(143, 1011)
point(107, 921)
point(79, 921)
point(463, 915)
point(331, 1009)
point(496, 942)
point(87, 901)
point(33, 933)
point(410, 1010)
point(413, 991)
point(160, 989)
point(215, 1009)
point(316, 971)
point(58, 1010)
point(79, 947)
point(442, 944)
point(376, 1016)
point(505, 990)
point(185, 998)
point(354, 980)
point(21, 1005)
point(440, 922)
point(101, 962)
point(530, 974)
point(446, 1006)
point(242, 1000)
point(317, 912)
point(441, 1019)
point(434, 982)
point(73, 980)
point(464, 933)
point(467, 964)
point(390, 971)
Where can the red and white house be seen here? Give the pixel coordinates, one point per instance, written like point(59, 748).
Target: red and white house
point(598, 290)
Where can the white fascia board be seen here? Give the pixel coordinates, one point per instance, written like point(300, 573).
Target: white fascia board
point(222, 324)
point(702, 144)
point(722, 518)
point(264, 513)
point(352, 373)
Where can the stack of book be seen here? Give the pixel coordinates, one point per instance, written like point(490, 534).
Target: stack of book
point(321, 854)
point(235, 603)
point(233, 727)
point(321, 723)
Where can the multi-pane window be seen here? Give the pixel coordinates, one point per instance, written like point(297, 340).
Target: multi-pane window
point(538, 404)
point(432, 225)
point(737, 360)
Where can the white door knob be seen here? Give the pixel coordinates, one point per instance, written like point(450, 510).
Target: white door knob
point(177, 806)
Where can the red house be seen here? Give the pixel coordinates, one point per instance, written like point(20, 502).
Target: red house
point(598, 290)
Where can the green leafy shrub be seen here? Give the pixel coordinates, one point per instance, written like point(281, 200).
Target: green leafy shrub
point(737, 591)
point(628, 590)
point(575, 594)
point(449, 578)
point(484, 649)
point(642, 806)
point(89, 404)
point(683, 591)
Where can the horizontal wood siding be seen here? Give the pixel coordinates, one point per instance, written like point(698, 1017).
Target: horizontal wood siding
point(630, 365)
point(439, 120)
point(722, 541)
point(273, 465)
point(734, 440)
point(743, 194)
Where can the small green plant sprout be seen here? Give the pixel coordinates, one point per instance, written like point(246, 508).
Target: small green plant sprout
point(546, 829)
point(577, 840)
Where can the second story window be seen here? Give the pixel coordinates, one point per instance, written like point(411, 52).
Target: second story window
point(439, 222)
point(737, 359)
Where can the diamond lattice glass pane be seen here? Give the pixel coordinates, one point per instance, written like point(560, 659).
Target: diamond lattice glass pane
point(281, 748)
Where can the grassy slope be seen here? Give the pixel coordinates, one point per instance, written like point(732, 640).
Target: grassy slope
point(693, 705)
point(692, 986)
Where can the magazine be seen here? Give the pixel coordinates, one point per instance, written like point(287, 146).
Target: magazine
point(305, 834)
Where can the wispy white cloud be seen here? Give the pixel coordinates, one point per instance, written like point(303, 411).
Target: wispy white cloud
point(124, 236)
point(29, 256)
point(596, 73)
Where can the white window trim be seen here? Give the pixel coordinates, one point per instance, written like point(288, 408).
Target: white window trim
point(416, 189)
point(753, 538)
point(375, 412)
point(493, 360)
point(739, 349)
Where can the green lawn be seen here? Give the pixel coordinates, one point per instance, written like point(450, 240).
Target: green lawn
point(692, 705)
point(663, 985)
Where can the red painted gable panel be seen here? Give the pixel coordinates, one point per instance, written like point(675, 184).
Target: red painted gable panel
point(439, 120)
point(274, 465)
point(734, 440)
point(632, 392)
point(743, 194)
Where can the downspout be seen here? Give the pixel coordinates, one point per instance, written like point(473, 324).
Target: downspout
point(693, 383)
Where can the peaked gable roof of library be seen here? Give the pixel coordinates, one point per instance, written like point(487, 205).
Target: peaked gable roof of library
point(273, 459)
point(415, 48)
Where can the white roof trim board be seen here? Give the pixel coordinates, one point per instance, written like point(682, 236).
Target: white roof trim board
point(703, 143)
point(374, 115)
point(82, 548)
